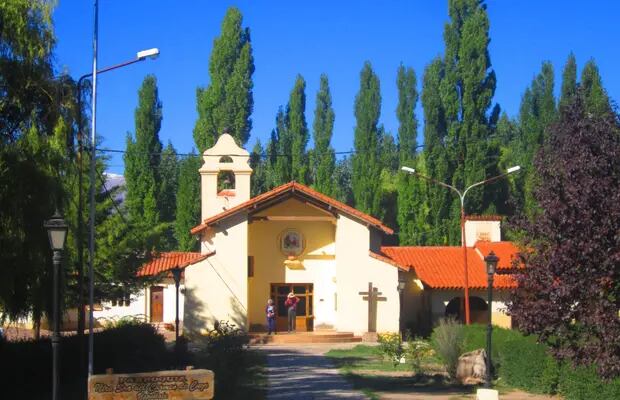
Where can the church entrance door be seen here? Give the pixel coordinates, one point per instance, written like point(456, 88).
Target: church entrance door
point(305, 312)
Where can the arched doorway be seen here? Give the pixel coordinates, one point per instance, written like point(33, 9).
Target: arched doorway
point(477, 310)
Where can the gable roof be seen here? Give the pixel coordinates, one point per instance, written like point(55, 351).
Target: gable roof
point(283, 192)
point(506, 251)
point(441, 267)
point(170, 260)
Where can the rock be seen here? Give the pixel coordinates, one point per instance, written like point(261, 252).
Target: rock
point(471, 369)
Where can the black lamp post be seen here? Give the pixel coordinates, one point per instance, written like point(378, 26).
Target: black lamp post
point(401, 288)
point(176, 274)
point(491, 261)
point(57, 232)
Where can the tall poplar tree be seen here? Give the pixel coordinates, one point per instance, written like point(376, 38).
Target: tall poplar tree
point(366, 162)
point(187, 203)
point(259, 165)
point(298, 131)
point(569, 81)
point(168, 187)
point(227, 102)
point(436, 158)
point(323, 127)
point(467, 90)
point(596, 99)
point(283, 141)
point(142, 157)
point(411, 201)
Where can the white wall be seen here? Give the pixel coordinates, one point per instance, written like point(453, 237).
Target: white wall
point(482, 230)
point(354, 269)
point(441, 298)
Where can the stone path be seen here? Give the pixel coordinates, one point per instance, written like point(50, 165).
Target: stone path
point(301, 372)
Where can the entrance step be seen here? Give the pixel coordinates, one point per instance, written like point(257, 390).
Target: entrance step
point(304, 337)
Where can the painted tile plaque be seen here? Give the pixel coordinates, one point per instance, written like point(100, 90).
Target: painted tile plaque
point(195, 384)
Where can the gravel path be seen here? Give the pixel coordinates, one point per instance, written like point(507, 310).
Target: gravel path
point(301, 372)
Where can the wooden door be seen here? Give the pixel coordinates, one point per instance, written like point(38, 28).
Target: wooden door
point(305, 312)
point(157, 304)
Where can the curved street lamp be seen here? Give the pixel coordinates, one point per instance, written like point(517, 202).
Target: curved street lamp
point(491, 261)
point(461, 195)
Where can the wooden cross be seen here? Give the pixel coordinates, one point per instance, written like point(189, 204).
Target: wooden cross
point(372, 296)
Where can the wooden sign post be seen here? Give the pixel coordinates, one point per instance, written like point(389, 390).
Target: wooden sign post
point(195, 384)
point(372, 296)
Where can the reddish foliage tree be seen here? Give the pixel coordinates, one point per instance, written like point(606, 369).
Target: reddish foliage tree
point(569, 292)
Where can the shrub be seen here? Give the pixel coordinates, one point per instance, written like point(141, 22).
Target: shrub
point(527, 365)
point(583, 383)
point(391, 346)
point(417, 350)
point(447, 340)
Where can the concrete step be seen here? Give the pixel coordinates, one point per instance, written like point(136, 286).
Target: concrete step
point(304, 337)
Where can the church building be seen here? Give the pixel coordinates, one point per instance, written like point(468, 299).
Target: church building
point(295, 239)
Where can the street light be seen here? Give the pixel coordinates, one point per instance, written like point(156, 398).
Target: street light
point(57, 233)
point(176, 274)
point(401, 288)
point(140, 56)
point(462, 198)
point(491, 261)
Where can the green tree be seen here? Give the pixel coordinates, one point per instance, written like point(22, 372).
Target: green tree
point(298, 131)
point(283, 141)
point(436, 157)
point(228, 101)
point(569, 81)
point(596, 99)
point(142, 157)
point(467, 90)
point(405, 111)
point(258, 163)
point(168, 187)
point(188, 203)
point(323, 128)
point(366, 162)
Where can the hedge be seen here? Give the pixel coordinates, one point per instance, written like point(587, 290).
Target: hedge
point(525, 364)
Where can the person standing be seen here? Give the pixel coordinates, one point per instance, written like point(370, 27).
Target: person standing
point(291, 305)
point(271, 317)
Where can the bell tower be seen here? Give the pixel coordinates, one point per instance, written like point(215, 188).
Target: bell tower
point(224, 177)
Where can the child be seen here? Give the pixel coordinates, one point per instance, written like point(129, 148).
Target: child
point(271, 317)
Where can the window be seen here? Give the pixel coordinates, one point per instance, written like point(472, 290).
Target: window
point(226, 159)
point(225, 180)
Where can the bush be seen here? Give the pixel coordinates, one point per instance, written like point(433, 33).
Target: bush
point(391, 346)
point(447, 340)
point(583, 383)
point(417, 350)
point(527, 365)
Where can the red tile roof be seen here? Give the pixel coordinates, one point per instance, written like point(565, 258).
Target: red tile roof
point(166, 261)
point(388, 260)
point(484, 218)
point(506, 251)
point(293, 187)
point(441, 267)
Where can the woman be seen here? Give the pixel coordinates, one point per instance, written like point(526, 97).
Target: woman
point(271, 317)
point(291, 304)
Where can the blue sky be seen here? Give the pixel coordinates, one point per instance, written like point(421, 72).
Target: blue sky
point(309, 38)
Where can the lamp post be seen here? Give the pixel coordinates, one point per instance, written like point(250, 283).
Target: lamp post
point(176, 274)
point(140, 56)
point(401, 288)
point(491, 261)
point(57, 233)
point(461, 195)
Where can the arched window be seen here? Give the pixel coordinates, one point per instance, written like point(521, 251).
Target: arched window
point(225, 180)
point(477, 310)
point(226, 159)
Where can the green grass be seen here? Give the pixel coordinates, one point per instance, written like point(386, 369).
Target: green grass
point(363, 357)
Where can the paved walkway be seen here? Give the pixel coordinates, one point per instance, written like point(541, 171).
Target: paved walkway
point(301, 372)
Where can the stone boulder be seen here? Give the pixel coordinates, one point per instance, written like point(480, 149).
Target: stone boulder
point(471, 368)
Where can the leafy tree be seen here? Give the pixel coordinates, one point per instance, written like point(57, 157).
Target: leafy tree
point(366, 162)
point(467, 90)
point(142, 157)
point(342, 177)
point(259, 165)
point(323, 127)
point(188, 203)
point(228, 101)
point(569, 81)
point(437, 160)
point(298, 131)
point(168, 187)
point(596, 98)
point(569, 292)
point(283, 141)
point(271, 161)
point(405, 111)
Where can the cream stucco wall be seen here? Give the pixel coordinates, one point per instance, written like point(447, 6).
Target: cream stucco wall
point(354, 269)
point(482, 230)
point(216, 289)
point(317, 259)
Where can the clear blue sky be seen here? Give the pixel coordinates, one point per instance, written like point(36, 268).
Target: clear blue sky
point(312, 37)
